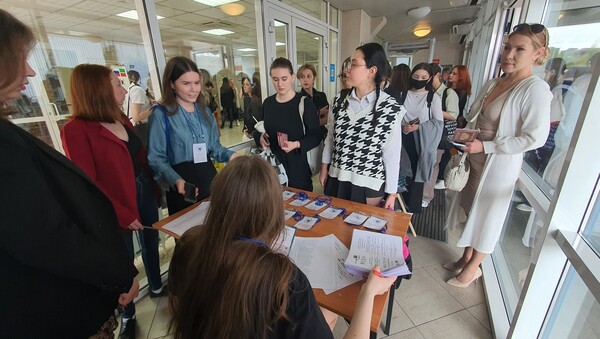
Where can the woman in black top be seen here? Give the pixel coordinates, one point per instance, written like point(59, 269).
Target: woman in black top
point(252, 110)
point(308, 75)
point(281, 114)
point(227, 100)
point(226, 280)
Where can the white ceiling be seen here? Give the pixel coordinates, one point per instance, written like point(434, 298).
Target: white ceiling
point(185, 19)
point(399, 25)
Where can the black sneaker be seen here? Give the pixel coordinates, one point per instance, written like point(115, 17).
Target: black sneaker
point(162, 292)
point(128, 329)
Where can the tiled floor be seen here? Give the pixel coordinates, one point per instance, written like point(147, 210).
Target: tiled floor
point(425, 306)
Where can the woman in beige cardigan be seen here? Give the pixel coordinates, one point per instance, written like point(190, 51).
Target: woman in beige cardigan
point(513, 113)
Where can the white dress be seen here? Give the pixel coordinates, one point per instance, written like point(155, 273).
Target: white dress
point(523, 125)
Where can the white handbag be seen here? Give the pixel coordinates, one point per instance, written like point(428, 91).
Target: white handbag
point(314, 155)
point(457, 172)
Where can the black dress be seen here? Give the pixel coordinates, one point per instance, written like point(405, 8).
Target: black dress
point(285, 117)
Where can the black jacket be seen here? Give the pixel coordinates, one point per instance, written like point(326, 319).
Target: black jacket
point(63, 261)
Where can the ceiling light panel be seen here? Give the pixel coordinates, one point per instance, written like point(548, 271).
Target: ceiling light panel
point(217, 31)
point(214, 3)
point(132, 14)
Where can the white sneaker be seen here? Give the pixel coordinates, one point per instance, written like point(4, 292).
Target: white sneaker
point(424, 203)
point(440, 185)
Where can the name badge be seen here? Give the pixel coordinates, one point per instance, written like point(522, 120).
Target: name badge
point(199, 153)
point(306, 223)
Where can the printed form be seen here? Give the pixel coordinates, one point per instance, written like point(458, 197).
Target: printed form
point(322, 261)
point(369, 249)
point(190, 219)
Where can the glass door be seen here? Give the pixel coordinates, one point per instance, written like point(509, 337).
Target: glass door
point(297, 38)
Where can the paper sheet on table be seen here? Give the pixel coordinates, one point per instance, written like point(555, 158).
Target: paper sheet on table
point(190, 219)
point(283, 243)
point(370, 248)
point(343, 278)
point(313, 256)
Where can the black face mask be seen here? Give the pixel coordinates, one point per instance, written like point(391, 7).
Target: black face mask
point(418, 84)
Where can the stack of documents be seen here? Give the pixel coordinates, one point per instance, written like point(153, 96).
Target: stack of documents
point(322, 261)
point(369, 249)
point(190, 219)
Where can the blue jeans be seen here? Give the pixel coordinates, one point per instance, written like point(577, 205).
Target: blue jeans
point(148, 211)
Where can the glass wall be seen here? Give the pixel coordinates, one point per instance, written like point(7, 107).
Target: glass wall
point(574, 47)
point(71, 33)
point(576, 312)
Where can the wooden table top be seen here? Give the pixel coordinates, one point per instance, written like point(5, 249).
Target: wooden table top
point(344, 300)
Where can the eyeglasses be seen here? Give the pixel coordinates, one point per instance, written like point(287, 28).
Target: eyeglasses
point(534, 28)
point(352, 65)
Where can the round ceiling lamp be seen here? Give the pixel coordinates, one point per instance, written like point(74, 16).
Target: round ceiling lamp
point(419, 12)
point(233, 9)
point(422, 31)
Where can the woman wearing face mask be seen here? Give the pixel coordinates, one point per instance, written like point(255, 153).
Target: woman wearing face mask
point(513, 114)
point(422, 126)
point(364, 143)
point(281, 114)
point(184, 136)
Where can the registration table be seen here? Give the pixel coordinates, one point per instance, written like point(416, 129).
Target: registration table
point(344, 300)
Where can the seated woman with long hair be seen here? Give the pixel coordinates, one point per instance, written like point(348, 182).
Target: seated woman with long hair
point(227, 282)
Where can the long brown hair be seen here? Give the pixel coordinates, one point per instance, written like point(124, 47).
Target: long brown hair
point(92, 94)
point(16, 40)
point(401, 77)
point(223, 284)
point(174, 69)
point(463, 84)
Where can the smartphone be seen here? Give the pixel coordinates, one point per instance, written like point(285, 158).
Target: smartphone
point(414, 121)
point(190, 193)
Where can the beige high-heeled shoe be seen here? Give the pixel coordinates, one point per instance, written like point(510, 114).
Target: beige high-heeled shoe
point(450, 267)
point(454, 282)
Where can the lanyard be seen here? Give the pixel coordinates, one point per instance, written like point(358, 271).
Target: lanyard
point(190, 122)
